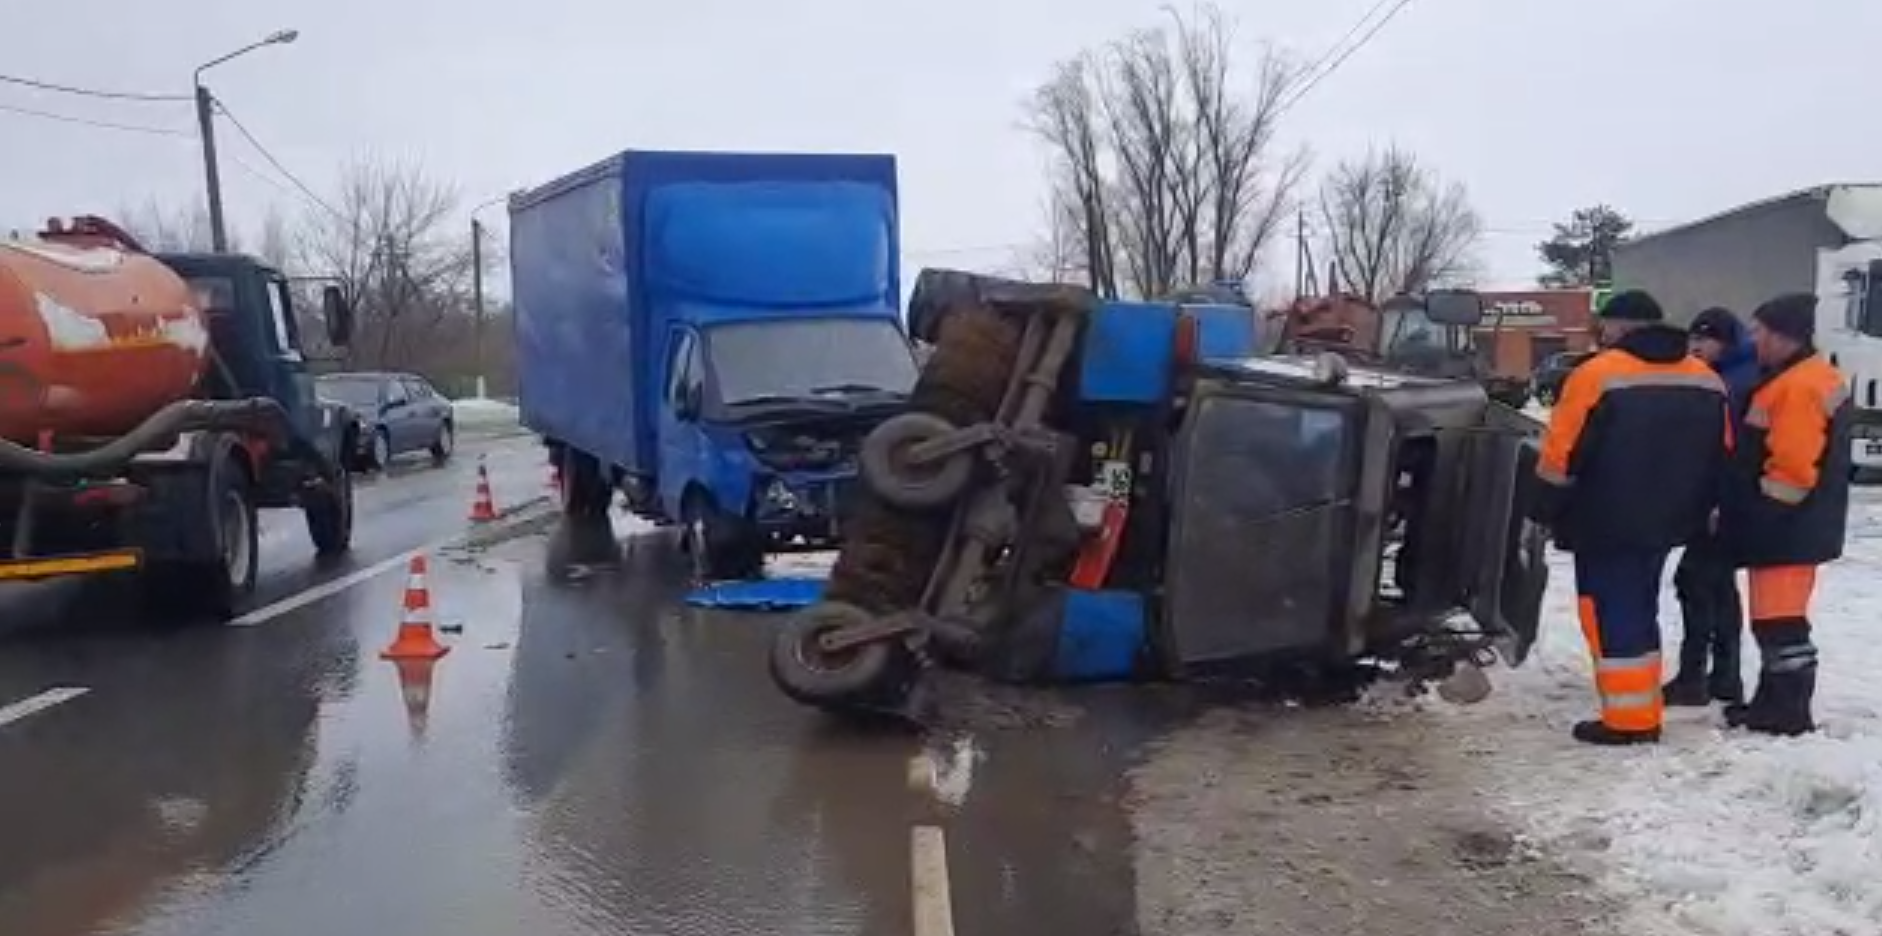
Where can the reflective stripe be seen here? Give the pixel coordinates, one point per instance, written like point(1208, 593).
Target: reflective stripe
point(1624, 664)
point(1782, 492)
point(1630, 700)
point(1834, 400)
point(1550, 476)
point(1758, 417)
point(1706, 381)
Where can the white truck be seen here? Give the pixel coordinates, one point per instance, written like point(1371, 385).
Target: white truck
point(1825, 240)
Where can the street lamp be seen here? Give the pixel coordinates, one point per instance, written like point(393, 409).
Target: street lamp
point(206, 124)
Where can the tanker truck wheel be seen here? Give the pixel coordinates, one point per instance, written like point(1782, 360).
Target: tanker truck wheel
point(329, 513)
point(883, 463)
point(216, 582)
point(812, 676)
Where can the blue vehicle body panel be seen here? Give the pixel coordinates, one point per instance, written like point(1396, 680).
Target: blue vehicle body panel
point(1127, 353)
point(608, 262)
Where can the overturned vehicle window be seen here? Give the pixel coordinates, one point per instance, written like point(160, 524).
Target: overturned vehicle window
point(1262, 498)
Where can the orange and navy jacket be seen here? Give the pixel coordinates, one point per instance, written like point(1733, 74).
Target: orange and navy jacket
point(1635, 452)
point(1787, 493)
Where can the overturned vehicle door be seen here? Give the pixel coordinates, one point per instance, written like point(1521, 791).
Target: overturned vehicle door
point(1327, 518)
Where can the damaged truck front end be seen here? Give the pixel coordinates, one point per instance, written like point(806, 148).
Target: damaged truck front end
point(1092, 490)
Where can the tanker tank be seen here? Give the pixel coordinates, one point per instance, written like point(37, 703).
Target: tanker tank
point(94, 338)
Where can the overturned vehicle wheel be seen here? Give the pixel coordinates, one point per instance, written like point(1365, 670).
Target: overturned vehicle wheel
point(866, 676)
point(891, 475)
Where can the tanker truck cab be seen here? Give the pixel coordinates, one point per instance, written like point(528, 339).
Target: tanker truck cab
point(167, 402)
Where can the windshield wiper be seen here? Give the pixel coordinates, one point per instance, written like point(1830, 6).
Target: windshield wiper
point(857, 388)
point(785, 399)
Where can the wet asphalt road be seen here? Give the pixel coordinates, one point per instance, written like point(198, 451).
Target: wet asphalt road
point(590, 758)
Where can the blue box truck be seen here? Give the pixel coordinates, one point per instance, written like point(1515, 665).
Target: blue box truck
point(712, 334)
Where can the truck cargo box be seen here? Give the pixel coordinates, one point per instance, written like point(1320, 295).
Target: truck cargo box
point(605, 260)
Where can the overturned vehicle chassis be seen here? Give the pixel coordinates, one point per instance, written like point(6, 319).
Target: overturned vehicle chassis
point(1135, 509)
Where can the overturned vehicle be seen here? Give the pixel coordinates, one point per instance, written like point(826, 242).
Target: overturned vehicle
point(1100, 490)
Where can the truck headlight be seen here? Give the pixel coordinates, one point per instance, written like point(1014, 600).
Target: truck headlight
point(779, 496)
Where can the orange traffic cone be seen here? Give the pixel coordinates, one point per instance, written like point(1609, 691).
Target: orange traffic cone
point(415, 640)
point(415, 678)
point(484, 508)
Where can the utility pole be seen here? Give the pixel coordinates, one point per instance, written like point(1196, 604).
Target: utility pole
point(206, 127)
point(477, 299)
point(1300, 252)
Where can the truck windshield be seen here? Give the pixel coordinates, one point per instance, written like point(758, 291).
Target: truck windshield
point(795, 359)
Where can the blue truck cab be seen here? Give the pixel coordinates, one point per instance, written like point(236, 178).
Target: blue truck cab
point(712, 334)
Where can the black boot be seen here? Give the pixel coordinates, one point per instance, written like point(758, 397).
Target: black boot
point(1739, 714)
point(1725, 684)
point(1687, 690)
point(1788, 713)
point(1596, 733)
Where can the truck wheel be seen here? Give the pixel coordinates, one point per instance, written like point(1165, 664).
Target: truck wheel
point(447, 443)
point(808, 675)
point(722, 547)
point(215, 585)
point(330, 516)
point(884, 464)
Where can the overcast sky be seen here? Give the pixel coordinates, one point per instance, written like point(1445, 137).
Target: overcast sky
point(1667, 109)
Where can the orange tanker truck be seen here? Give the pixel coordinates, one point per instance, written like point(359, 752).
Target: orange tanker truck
point(149, 406)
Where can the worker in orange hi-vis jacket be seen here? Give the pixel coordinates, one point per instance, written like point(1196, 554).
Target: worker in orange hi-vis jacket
point(1785, 507)
point(1631, 466)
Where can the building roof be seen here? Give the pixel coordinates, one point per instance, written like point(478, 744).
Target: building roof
point(1813, 193)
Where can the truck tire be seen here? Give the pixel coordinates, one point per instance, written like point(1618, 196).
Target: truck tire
point(215, 585)
point(329, 513)
point(723, 547)
point(809, 676)
point(886, 470)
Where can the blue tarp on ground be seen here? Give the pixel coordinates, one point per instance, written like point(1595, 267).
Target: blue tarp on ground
point(777, 594)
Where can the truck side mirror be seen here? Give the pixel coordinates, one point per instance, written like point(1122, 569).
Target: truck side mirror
point(338, 315)
point(1460, 307)
point(1871, 323)
point(691, 400)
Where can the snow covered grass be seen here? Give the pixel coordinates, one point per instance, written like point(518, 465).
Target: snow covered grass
point(1714, 832)
point(479, 412)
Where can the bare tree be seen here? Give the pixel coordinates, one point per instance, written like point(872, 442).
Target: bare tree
point(1392, 225)
point(390, 241)
point(1167, 156)
point(171, 228)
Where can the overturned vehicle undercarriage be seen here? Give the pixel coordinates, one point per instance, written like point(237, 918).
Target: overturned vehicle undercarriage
point(1091, 490)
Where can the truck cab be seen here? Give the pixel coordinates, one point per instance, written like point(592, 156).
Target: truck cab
point(163, 474)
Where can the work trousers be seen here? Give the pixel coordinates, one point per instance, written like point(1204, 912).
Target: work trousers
point(1619, 604)
point(1712, 617)
point(1780, 621)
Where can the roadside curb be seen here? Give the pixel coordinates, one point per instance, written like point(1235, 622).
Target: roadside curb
point(513, 522)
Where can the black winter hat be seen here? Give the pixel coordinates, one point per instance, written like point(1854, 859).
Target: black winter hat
point(1634, 305)
point(1719, 324)
point(1793, 315)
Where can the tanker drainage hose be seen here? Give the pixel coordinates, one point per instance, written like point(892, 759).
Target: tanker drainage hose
point(157, 432)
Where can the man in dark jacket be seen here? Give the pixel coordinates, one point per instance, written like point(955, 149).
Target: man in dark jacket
point(1786, 507)
point(1707, 580)
point(1630, 468)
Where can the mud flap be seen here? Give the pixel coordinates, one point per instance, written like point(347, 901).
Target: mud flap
point(1507, 551)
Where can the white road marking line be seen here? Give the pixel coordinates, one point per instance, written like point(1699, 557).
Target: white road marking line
point(325, 590)
point(28, 707)
point(928, 864)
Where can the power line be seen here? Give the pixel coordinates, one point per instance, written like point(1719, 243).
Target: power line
point(98, 124)
point(90, 92)
point(276, 163)
point(1396, 8)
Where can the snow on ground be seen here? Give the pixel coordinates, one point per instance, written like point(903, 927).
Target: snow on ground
point(1713, 832)
point(482, 412)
